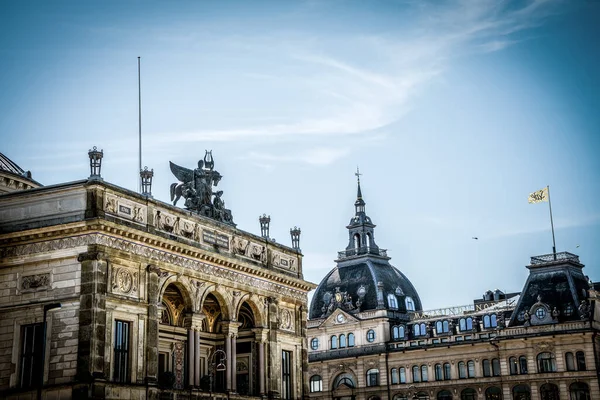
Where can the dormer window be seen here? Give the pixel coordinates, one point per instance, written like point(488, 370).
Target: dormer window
point(490, 321)
point(442, 327)
point(410, 304)
point(392, 301)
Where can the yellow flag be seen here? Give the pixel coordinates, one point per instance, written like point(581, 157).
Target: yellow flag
point(539, 196)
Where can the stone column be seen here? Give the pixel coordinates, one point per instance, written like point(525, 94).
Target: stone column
point(228, 370)
point(234, 363)
point(197, 359)
point(191, 357)
point(261, 336)
point(92, 319)
point(152, 332)
point(273, 352)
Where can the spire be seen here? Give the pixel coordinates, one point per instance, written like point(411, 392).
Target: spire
point(359, 204)
point(358, 193)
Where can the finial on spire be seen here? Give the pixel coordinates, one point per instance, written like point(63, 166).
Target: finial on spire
point(359, 192)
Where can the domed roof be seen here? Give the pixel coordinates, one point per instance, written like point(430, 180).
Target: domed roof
point(13, 177)
point(363, 278)
point(374, 279)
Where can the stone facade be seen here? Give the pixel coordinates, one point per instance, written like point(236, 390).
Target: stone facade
point(148, 293)
point(369, 339)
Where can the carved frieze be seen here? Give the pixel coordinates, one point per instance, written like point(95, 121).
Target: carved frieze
point(35, 282)
point(211, 271)
point(244, 247)
point(124, 281)
point(125, 208)
point(342, 366)
point(283, 261)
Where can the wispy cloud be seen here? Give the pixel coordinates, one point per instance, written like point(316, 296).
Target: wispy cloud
point(349, 94)
point(314, 156)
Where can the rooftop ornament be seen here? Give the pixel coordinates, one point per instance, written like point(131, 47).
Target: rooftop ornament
point(146, 177)
point(264, 225)
point(196, 187)
point(95, 163)
point(295, 234)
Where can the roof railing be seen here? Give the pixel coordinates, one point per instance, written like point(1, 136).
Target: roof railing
point(359, 251)
point(552, 257)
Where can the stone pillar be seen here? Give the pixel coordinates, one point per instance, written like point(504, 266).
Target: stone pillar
point(261, 336)
point(152, 332)
point(191, 357)
point(273, 383)
point(197, 359)
point(234, 363)
point(302, 321)
point(91, 366)
point(228, 370)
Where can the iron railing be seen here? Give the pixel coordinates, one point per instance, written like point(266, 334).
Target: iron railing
point(349, 352)
point(359, 251)
point(546, 258)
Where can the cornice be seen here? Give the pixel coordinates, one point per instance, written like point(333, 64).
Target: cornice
point(153, 247)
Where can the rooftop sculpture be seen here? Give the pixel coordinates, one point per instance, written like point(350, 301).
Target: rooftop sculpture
point(196, 187)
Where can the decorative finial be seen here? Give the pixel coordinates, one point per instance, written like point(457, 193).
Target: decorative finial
point(146, 177)
point(295, 234)
point(95, 163)
point(264, 225)
point(358, 174)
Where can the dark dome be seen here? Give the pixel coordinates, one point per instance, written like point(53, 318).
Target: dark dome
point(372, 274)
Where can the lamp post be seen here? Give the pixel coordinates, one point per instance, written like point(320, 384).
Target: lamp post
point(214, 367)
point(47, 307)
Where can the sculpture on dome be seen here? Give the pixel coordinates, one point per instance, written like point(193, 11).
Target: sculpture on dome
point(196, 187)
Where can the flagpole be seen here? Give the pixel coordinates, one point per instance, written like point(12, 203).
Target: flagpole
point(139, 128)
point(551, 224)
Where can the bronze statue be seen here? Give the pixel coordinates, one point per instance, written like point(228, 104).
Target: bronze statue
point(196, 187)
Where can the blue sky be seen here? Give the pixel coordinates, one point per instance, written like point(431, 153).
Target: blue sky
point(454, 110)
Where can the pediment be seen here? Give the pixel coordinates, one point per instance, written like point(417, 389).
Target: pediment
point(339, 317)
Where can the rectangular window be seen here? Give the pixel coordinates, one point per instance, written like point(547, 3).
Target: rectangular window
point(31, 354)
point(286, 375)
point(121, 359)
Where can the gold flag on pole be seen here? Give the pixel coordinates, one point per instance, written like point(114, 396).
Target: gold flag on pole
point(539, 196)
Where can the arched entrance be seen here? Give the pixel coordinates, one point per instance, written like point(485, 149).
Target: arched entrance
point(247, 366)
point(344, 387)
point(172, 338)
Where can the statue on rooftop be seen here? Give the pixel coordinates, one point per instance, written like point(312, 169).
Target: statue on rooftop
point(196, 187)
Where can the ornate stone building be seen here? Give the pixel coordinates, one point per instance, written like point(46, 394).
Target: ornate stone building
point(369, 338)
point(143, 299)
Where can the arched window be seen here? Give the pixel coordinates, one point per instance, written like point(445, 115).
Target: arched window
point(419, 330)
point(521, 392)
point(394, 374)
point(441, 327)
point(410, 304)
point(471, 368)
point(487, 367)
point(351, 340)
point(368, 240)
point(570, 361)
point(344, 379)
point(462, 324)
point(469, 324)
point(579, 391)
point(416, 372)
point(370, 336)
point(495, 367)
point(334, 341)
point(546, 362)
point(316, 383)
point(447, 372)
point(356, 241)
point(490, 321)
point(522, 365)
point(513, 366)
point(402, 375)
point(401, 333)
point(395, 333)
point(580, 361)
point(493, 393)
point(462, 370)
point(549, 391)
point(342, 341)
point(392, 301)
point(446, 326)
point(439, 373)
point(424, 373)
point(421, 396)
point(444, 395)
point(468, 394)
point(314, 344)
point(373, 377)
